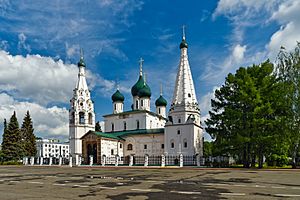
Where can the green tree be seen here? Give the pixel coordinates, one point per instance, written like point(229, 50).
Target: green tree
point(3, 138)
point(288, 72)
point(98, 127)
point(243, 116)
point(12, 144)
point(28, 137)
point(207, 148)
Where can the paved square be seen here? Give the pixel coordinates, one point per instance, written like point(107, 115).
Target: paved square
point(35, 182)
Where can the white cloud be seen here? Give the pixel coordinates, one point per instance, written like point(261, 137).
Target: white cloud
point(48, 122)
point(249, 13)
point(36, 78)
point(247, 8)
point(22, 43)
point(72, 50)
point(205, 101)
point(217, 73)
point(238, 53)
point(288, 16)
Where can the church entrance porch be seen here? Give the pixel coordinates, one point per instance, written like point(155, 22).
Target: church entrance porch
point(91, 146)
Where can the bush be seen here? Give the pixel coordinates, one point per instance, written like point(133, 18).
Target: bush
point(11, 163)
point(277, 160)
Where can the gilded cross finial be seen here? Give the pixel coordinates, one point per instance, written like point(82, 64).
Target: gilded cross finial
point(141, 66)
point(161, 89)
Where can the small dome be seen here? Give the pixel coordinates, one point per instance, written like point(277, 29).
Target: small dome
point(117, 96)
point(161, 101)
point(81, 62)
point(145, 91)
point(183, 44)
point(137, 86)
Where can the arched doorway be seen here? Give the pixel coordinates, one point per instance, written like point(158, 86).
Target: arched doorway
point(95, 153)
point(92, 151)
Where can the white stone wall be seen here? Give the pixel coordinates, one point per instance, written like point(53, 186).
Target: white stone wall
point(153, 141)
point(108, 145)
point(117, 107)
point(75, 133)
point(179, 134)
point(146, 121)
point(161, 110)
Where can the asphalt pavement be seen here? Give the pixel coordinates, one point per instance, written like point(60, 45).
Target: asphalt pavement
point(52, 182)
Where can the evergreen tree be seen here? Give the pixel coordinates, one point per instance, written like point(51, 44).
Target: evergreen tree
point(98, 127)
point(28, 137)
point(244, 118)
point(3, 139)
point(12, 145)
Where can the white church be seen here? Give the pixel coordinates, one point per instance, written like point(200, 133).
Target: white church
point(140, 131)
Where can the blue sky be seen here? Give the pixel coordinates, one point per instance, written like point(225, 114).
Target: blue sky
point(40, 42)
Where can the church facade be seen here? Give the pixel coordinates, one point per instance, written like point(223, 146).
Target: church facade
point(139, 131)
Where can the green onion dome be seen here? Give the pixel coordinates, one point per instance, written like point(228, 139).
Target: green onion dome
point(137, 86)
point(161, 101)
point(145, 91)
point(183, 44)
point(81, 62)
point(117, 96)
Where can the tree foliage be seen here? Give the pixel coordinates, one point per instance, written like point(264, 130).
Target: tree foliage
point(288, 73)
point(11, 143)
point(28, 137)
point(98, 127)
point(245, 115)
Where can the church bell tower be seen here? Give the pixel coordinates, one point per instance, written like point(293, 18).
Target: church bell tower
point(81, 113)
point(183, 131)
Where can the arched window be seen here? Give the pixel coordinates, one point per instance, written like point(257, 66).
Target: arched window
point(115, 106)
point(125, 126)
point(136, 104)
point(72, 119)
point(81, 118)
point(179, 120)
point(112, 127)
point(112, 152)
point(142, 103)
point(137, 124)
point(185, 143)
point(172, 144)
point(158, 110)
point(129, 147)
point(189, 95)
point(90, 118)
point(178, 132)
